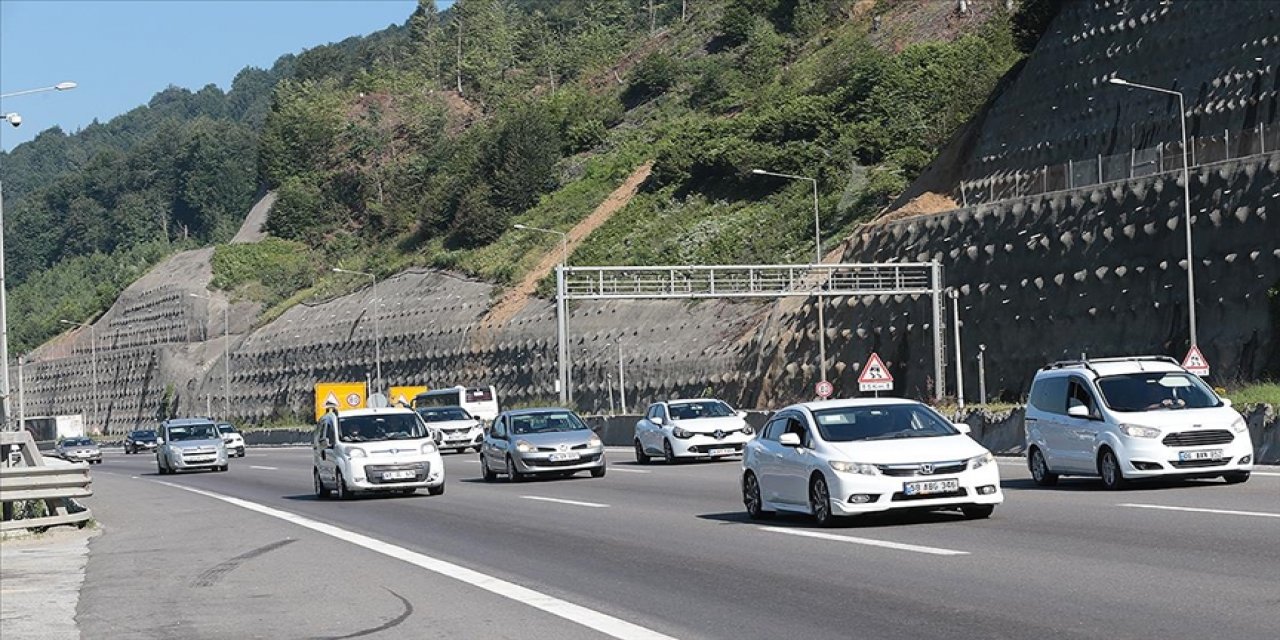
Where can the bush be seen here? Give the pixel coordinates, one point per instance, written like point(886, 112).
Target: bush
point(650, 78)
point(281, 266)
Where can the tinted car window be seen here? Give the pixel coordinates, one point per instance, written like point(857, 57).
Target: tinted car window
point(695, 410)
point(549, 422)
point(194, 432)
point(1049, 394)
point(77, 442)
point(444, 414)
point(392, 426)
point(1155, 391)
point(881, 422)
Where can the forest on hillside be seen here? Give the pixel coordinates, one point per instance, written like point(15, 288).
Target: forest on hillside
point(422, 144)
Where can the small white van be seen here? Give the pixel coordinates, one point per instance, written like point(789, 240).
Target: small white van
point(374, 450)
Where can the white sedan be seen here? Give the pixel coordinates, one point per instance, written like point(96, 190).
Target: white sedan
point(688, 429)
point(846, 457)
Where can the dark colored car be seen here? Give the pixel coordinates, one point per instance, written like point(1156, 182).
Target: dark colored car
point(140, 440)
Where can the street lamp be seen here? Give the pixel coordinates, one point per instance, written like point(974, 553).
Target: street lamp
point(562, 313)
point(93, 350)
point(955, 321)
point(15, 120)
point(377, 339)
point(817, 249)
point(226, 355)
point(1186, 194)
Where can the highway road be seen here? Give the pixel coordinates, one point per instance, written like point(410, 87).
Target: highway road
point(665, 551)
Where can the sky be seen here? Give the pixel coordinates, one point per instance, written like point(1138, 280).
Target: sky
point(121, 53)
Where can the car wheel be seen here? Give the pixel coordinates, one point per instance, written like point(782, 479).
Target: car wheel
point(322, 492)
point(820, 501)
point(512, 474)
point(751, 498)
point(599, 472)
point(477, 448)
point(668, 453)
point(436, 491)
point(1236, 477)
point(340, 487)
point(160, 469)
point(977, 511)
point(1109, 469)
point(641, 456)
point(1040, 470)
point(488, 474)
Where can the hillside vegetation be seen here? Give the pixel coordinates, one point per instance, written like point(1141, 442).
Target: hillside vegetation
point(422, 145)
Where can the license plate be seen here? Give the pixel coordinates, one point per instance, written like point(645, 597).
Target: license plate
point(1203, 454)
point(567, 455)
point(397, 475)
point(722, 452)
point(931, 486)
point(458, 439)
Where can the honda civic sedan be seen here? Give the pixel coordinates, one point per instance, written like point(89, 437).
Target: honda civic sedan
point(846, 457)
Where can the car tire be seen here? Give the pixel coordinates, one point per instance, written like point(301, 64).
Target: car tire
point(512, 474)
point(668, 454)
point(977, 511)
point(641, 456)
point(408, 492)
point(820, 501)
point(436, 491)
point(1236, 477)
point(322, 492)
point(1040, 472)
point(485, 472)
point(340, 489)
point(1109, 469)
point(477, 448)
point(751, 498)
point(599, 471)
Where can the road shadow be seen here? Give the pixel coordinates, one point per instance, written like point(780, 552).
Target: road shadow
point(359, 497)
point(581, 475)
point(894, 518)
point(1094, 485)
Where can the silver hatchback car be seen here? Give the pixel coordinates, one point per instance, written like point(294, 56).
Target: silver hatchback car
point(529, 442)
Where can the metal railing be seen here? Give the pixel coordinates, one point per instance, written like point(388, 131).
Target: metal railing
point(1104, 169)
point(747, 281)
point(31, 480)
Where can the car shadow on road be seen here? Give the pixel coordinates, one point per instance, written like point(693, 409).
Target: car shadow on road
point(361, 497)
point(1094, 485)
point(866, 521)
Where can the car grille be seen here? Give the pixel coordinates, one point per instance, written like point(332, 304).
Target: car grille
point(373, 473)
point(1192, 464)
point(587, 459)
point(706, 448)
point(555, 449)
point(912, 470)
point(902, 497)
point(1198, 438)
point(457, 432)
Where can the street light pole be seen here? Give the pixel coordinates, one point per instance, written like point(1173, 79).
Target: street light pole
point(226, 356)
point(377, 334)
point(955, 321)
point(622, 381)
point(562, 314)
point(93, 350)
point(1186, 195)
point(13, 119)
point(817, 260)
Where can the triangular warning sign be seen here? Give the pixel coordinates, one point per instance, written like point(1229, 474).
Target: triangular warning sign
point(400, 399)
point(875, 376)
point(331, 399)
point(1195, 362)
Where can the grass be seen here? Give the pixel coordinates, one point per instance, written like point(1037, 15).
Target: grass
point(1258, 393)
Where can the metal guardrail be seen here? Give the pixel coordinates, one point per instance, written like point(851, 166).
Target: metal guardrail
point(30, 479)
point(747, 281)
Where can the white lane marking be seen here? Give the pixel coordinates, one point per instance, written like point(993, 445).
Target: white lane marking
point(626, 470)
point(1264, 473)
point(868, 541)
point(576, 503)
point(1228, 512)
point(254, 466)
point(590, 618)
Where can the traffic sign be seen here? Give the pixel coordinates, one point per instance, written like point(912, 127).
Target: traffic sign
point(823, 389)
point(405, 395)
point(875, 376)
point(1195, 362)
point(342, 395)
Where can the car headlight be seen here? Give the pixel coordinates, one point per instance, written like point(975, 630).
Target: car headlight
point(429, 447)
point(977, 462)
point(523, 446)
point(595, 441)
point(681, 433)
point(1138, 431)
point(746, 428)
point(1239, 426)
point(861, 468)
point(356, 452)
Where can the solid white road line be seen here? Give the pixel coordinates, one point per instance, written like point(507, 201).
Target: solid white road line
point(1264, 473)
point(867, 541)
point(254, 466)
point(1228, 512)
point(590, 618)
point(626, 470)
point(594, 505)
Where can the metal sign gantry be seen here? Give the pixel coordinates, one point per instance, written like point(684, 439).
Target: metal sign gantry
point(749, 281)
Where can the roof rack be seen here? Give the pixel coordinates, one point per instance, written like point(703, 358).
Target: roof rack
point(1063, 364)
point(1088, 364)
point(1138, 359)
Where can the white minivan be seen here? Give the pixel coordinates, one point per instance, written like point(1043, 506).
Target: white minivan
point(374, 450)
point(1123, 419)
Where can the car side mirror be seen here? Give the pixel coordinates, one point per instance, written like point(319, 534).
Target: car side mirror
point(658, 421)
point(741, 414)
point(789, 440)
point(438, 437)
point(1078, 411)
point(159, 440)
point(963, 427)
point(324, 443)
point(1226, 402)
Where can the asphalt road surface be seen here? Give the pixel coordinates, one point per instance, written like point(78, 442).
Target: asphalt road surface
point(665, 551)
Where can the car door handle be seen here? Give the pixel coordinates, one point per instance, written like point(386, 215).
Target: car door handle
point(1031, 419)
point(1084, 433)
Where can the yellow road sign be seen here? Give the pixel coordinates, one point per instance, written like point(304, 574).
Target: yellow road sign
point(404, 395)
point(345, 395)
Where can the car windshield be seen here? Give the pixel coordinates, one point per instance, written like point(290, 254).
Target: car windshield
point(194, 432)
point(695, 410)
point(1153, 391)
point(226, 428)
point(549, 422)
point(881, 422)
point(390, 426)
point(443, 414)
point(76, 442)
point(144, 435)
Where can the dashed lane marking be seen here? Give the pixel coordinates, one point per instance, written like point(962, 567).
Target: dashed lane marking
point(867, 541)
point(576, 503)
point(1227, 512)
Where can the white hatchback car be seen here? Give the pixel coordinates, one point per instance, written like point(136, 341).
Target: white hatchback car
point(388, 449)
point(847, 457)
point(1127, 418)
point(701, 428)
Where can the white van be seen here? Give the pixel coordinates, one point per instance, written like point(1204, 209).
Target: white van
point(371, 450)
point(1123, 419)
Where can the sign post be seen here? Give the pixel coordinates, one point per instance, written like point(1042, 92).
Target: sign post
point(1196, 363)
point(875, 376)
